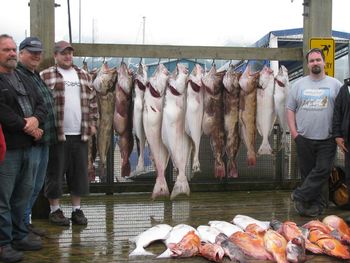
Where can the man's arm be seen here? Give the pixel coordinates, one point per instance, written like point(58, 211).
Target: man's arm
point(292, 123)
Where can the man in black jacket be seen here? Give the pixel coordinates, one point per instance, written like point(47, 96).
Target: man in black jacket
point(341, 129)
point(21, 111)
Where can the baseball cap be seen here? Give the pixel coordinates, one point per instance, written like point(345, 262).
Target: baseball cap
point(31, 44)
point(62, 45)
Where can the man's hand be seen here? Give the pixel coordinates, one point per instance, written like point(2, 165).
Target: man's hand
point(32, 123)
point(37, 134)
point(93, 130)
point(341, 144)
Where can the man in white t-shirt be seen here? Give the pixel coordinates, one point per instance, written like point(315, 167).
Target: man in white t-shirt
point(310, 105)
point(76, 114)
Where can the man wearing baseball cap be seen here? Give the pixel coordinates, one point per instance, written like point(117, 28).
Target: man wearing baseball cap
point(77, 114)
point(30, 56)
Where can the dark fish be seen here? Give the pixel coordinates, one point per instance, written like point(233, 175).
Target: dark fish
point(231, 116)
point(231, 250)
point(213, 119)
point(123, 116)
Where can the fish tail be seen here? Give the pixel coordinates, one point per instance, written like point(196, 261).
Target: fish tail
point(160, 188)
point(265, 149)
point(181, 187)
point(140, 252)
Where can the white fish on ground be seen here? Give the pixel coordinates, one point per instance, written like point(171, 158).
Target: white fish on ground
point(158, 232)
point(208, 234)
point(225, 227)
point(173, 128)
point(139, 88)
point(265, 114)
point(152, 123)
point(280, 96)
point(194, 113)
point(243, 221)
point(175, 236)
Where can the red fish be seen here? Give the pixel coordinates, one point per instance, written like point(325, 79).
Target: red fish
point(187, 247)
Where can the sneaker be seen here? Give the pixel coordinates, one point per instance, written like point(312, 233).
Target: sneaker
point(9, 255)
point(36, 230)
point(58, 218)
point(28, 243)
point(78, 217)
point(304, 209)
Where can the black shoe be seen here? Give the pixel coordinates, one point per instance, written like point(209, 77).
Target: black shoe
point(305, 209)
point(9, 255)
point(58, 218)
point(28, 243)
point(78, 217)
point(36, 230)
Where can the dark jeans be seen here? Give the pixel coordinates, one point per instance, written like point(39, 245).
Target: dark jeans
point(347, 169)
point(315, 159)
point(15, 188)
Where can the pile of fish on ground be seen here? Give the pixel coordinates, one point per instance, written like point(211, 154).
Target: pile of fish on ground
point(246, 238)
point(171, 111)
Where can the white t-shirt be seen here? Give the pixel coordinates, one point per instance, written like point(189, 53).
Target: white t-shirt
point(72, 102)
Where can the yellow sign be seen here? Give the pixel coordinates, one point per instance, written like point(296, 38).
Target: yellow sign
point(327, 45)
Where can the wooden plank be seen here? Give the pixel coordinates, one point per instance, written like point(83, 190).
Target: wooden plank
point(190, 52)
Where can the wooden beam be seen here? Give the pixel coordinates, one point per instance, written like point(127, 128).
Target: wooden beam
point(199, 52)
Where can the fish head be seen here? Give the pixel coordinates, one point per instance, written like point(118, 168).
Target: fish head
point(231, 79)
point(159, 79)
point(213, 80)
point(265, 77)
point(105, 78)
point(141, 74)
point(196, 75)
point(281, 78)
point(125, 77)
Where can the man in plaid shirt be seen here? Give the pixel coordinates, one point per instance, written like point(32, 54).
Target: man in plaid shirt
point(76, 117)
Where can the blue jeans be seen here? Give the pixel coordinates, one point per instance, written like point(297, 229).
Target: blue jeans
point(15, 188)
point(40, 156)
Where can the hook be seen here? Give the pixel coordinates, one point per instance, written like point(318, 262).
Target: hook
point(159, 61)
point(230, 63)
point(84, 59)
point(140, 61)
point(122, 60)
point(213, 63)
point(104, 60)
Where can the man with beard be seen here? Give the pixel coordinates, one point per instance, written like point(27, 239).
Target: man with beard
point(77, 114)
point(310, 105)
point(21, 112)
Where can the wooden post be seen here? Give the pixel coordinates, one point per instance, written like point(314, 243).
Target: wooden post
point(317, 22)
point(42, 25)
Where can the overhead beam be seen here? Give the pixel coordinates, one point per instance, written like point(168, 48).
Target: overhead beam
point(199, 52)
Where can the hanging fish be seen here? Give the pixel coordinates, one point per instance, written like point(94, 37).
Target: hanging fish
point(213, 119)
point(231, 115)
point(173, 128)
point(139, 88)
point(123, 116)
point(152, 123)
point(194, 113)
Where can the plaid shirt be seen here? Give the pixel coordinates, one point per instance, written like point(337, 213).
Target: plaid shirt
point(49, 128)
point(89, 110)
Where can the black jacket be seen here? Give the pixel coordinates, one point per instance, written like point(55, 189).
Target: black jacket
point(11, 114)
point(341, 115)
